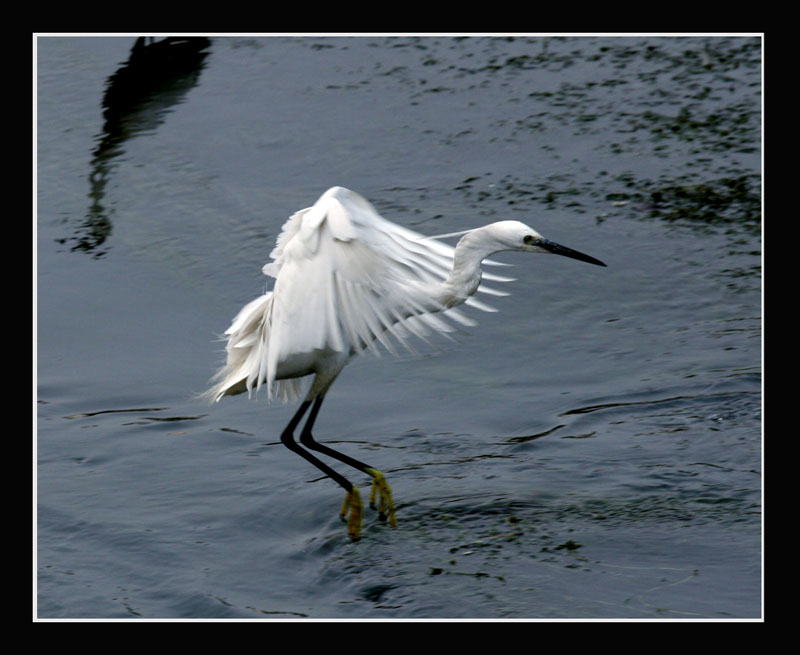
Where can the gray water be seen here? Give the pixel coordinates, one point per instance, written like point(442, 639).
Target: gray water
point(592, 450)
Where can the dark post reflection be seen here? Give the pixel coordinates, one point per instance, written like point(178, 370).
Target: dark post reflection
point(139, 95)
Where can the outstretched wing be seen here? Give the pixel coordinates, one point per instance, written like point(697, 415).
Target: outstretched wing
point(346, 279)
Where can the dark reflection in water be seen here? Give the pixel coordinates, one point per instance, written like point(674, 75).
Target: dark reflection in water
point(139, 95)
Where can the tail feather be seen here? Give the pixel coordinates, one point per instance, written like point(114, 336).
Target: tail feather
point(248, 342)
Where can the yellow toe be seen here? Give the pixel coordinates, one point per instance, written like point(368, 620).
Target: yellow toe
point(353, 504)
point(380, 488)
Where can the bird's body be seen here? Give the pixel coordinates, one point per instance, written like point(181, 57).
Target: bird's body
point(346, 280)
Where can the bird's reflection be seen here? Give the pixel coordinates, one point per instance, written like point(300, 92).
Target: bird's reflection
point(139, 95)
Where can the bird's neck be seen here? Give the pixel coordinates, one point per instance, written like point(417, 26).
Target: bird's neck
point(465, 277)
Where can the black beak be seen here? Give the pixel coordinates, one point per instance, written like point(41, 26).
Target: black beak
point(557, 249)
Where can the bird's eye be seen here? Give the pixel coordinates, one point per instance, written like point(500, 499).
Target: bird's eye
point(529, 239)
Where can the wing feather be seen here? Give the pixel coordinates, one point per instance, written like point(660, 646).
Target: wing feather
point(346, 280)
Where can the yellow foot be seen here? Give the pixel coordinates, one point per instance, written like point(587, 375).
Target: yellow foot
point(352, 502)
point(380, 488)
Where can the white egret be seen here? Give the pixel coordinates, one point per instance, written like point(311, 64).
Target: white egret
point(345, 280)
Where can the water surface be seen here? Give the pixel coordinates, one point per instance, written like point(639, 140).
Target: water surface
point(592, 450)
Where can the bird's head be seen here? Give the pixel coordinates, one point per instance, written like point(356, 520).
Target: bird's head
point(513, 235)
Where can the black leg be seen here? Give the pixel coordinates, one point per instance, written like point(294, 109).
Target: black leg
point(287, 438)
point(308, 441)
point(352, 501)
point(380, 487)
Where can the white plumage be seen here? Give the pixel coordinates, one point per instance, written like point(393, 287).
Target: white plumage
point(346, 280)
